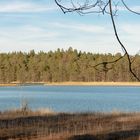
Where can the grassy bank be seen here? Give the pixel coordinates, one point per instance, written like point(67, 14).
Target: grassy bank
point(8, 85)
point(74, 84)
point(94, 83)
point(78, 126)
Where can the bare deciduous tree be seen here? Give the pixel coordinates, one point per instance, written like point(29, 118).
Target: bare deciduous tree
point(109, 7)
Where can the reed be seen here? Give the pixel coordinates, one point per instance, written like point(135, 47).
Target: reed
point(53, 126)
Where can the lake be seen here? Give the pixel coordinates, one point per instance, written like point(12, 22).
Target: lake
point(72, 98)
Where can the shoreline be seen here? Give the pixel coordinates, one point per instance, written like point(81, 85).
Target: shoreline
point(92, 84)
point(8, 85)
point(73, 84)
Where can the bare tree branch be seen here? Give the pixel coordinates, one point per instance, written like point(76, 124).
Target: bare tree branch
point(118, 39)
point(83, 9)
point(103, 7)
point(109, 62)
point(129, 9)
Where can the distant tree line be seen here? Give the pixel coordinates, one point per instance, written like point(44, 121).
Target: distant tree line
point(68, 65)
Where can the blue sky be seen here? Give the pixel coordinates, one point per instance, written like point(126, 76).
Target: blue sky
point(40, 25)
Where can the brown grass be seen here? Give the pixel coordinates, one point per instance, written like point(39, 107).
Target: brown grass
point(16, 83)
point(94, 83)
point(8, 85)
point(78, 126)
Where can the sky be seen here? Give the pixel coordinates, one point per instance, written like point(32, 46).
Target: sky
point(41, 26)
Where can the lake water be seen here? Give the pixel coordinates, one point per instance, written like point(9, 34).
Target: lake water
point(72, 98)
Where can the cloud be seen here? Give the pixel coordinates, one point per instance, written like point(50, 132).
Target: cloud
point(26, 38)
point(129, 36)
point(85, 37)
point(136, 8)
point(27, 33)
point(131, 29)
point(81, 27)
point(25, 7)
point(133, 8)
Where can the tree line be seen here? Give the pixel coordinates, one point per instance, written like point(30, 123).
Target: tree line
point(65, 65)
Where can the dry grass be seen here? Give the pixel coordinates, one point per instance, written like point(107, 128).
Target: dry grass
point(8, 85)
point(69, 83)
point(94, 83)
point(18, 113)
point(78, 126)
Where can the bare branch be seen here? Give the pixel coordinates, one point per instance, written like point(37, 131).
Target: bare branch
point(103, 7)
point(83, 9)
point(109, 62)
point(118, 39)
point(129, 9)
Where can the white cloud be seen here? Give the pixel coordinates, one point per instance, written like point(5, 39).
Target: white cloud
point(129, 35)
point(20, 7)
point(28, 37)
point(27, 33)
point(23, 7)
point(133, 8)
point(136, 8)
point(131, 29)
point(81, 27)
